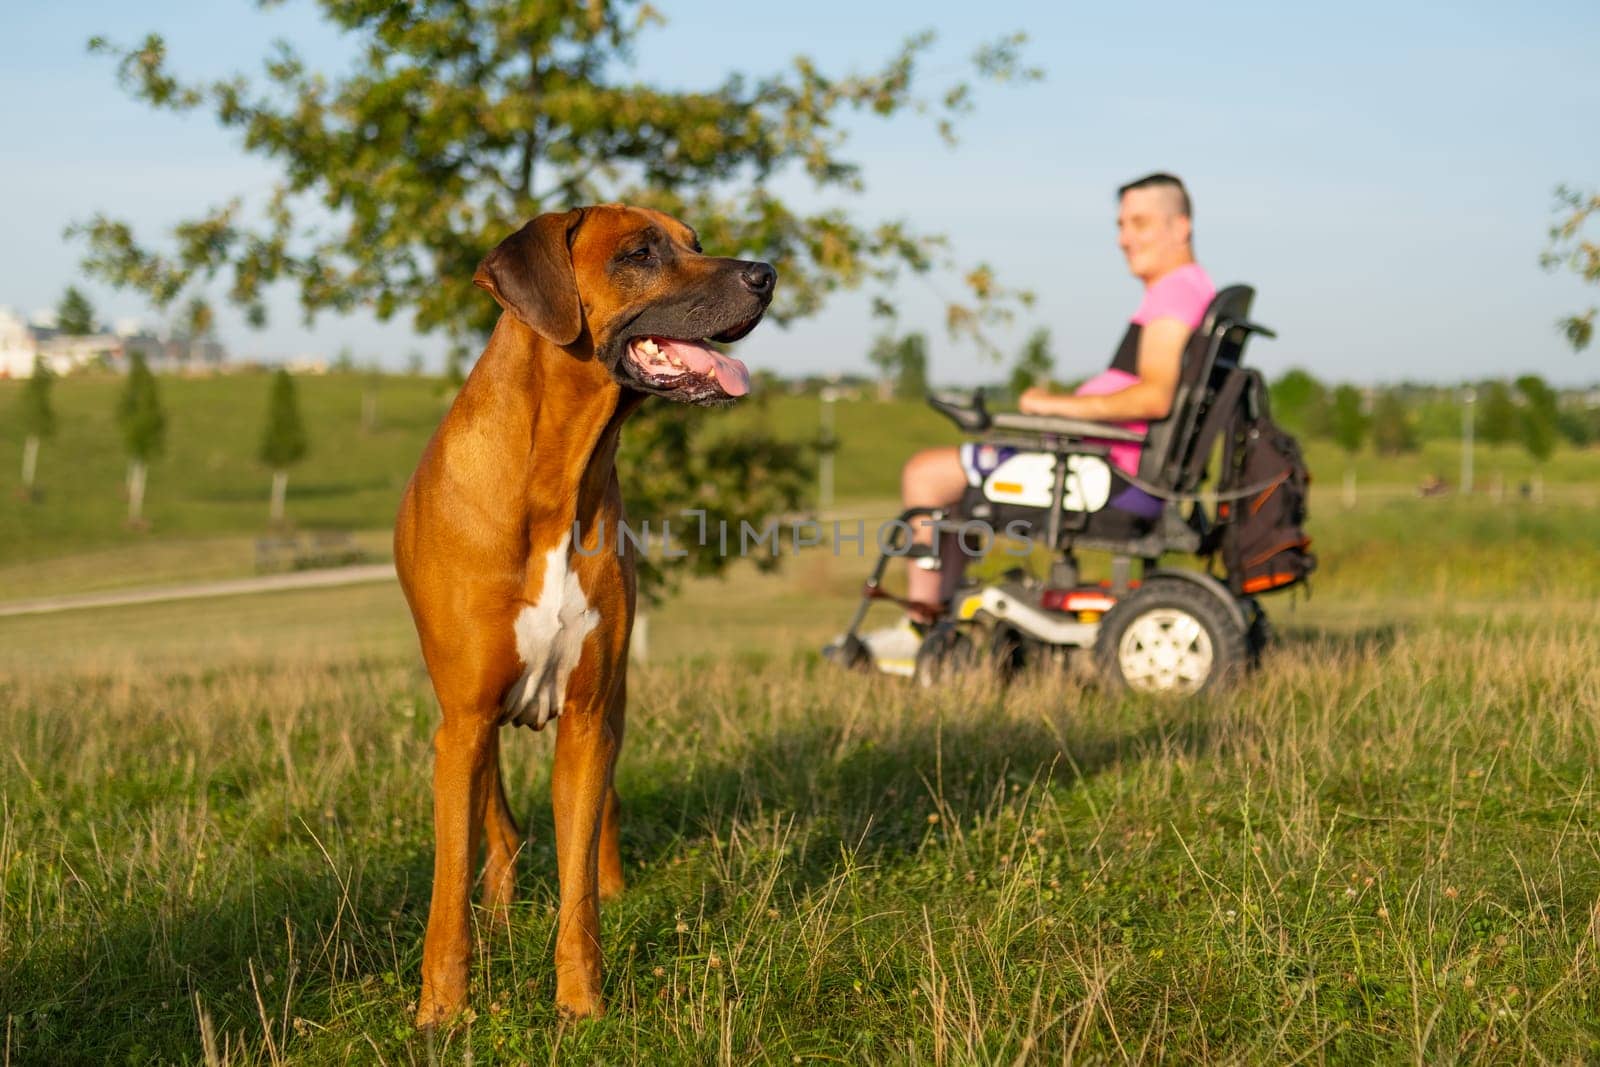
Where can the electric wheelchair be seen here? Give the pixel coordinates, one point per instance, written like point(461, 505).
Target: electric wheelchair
point(1165, 630)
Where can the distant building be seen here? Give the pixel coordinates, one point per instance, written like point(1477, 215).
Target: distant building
point(21, 342)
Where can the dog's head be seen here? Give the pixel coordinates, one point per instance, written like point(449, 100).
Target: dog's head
point(632, 288)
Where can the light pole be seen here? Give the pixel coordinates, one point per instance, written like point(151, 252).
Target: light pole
point(1468, 396)
point(825, 471)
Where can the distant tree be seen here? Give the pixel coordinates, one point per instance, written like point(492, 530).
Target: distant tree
point(1392, 431)
point(345, 361)
point(1537, 429)
point(885, 357)
point(1579, 425)
point(1497, 414)
point(414, 363)
point(1034, 363)
point(455, 366)
point(37, 420)
point(1347, 422)
point(1301, 402)
point(1570, 248)
point(75, 315)
point(283, 441)
point(911, 374)
point(144, 431)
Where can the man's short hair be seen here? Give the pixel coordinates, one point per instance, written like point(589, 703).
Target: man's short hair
point(1162, 180)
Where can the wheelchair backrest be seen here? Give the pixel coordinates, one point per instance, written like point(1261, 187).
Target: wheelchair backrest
point(1174, 454)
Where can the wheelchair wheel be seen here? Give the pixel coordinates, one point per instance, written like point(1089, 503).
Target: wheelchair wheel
point(1008, 653)
point(946, 652)
point(1170, 637)
point(851, 653)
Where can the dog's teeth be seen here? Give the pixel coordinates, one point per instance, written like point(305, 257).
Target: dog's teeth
point(648, 347)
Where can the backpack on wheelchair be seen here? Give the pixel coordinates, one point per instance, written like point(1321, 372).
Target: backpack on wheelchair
point(1169, 630)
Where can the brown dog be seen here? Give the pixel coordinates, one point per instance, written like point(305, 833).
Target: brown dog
point(516, 625)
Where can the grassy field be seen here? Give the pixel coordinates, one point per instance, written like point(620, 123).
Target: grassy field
point(215, 843)
point(209, 485)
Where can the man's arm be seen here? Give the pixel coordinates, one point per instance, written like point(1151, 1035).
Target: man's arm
point(1161, 345)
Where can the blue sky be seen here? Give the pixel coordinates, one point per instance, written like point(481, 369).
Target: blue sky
point(1382, 173)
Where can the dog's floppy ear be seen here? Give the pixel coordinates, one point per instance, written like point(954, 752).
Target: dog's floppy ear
point(530, 274)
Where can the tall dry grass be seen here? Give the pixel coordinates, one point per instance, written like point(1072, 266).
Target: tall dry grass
point(1384, 847)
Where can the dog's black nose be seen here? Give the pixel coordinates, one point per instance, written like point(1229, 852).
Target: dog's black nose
point(759, 278)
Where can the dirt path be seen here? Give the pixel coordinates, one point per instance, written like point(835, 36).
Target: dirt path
point(270, 583)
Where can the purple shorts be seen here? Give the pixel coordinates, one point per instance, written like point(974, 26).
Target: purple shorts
point(979, 460)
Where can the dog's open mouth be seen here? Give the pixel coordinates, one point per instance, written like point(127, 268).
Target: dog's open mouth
point(669, 363)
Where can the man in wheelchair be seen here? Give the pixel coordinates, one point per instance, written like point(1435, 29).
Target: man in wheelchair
point(1154, 231)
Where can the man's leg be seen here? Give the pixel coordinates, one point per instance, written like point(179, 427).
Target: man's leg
point(933, 478)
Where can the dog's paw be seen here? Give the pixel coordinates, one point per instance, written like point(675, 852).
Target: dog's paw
point(440, 1008)
point(580, 1006)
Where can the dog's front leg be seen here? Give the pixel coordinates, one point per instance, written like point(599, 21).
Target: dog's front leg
point(586, 753)
point(462, 748)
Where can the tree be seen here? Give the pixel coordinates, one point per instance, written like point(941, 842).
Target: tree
point(455, 364)
point(1348, 425)
point(902, 364)
point(1570, 248)
point(911, 372)
point(1347, 421)
point(1392, 432)
point(1300, 401)
point(1034, 363)
point(885, 356)
point(144, 431)
point(198, 321)
point(1537, 428)
point(735, 482)
point(283, 440)
point(1497, 414)
point(1579, 425)
point(37, 420)
point(74, 315)
point(460, 121)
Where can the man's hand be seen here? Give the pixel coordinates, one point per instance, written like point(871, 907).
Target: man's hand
point(1036, 400)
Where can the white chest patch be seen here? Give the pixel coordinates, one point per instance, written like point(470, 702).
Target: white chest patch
point(550, 634)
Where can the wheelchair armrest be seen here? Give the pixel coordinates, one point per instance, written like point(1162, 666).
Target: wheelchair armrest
point(1104, 431)
point(966, 410)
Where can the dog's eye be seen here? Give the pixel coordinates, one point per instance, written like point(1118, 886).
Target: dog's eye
point(642, 255)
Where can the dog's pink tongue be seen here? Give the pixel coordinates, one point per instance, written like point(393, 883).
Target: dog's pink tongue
point(731, 374)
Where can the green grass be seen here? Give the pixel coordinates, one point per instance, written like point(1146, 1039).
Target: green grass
point(215, 842)
point(210, 485)
point(1382, 849)
point(208, 482)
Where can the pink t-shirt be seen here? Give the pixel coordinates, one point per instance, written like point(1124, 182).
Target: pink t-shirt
point(1184, 294)
point(1124, 454)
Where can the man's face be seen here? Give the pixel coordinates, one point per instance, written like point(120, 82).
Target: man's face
point(1150, 231)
